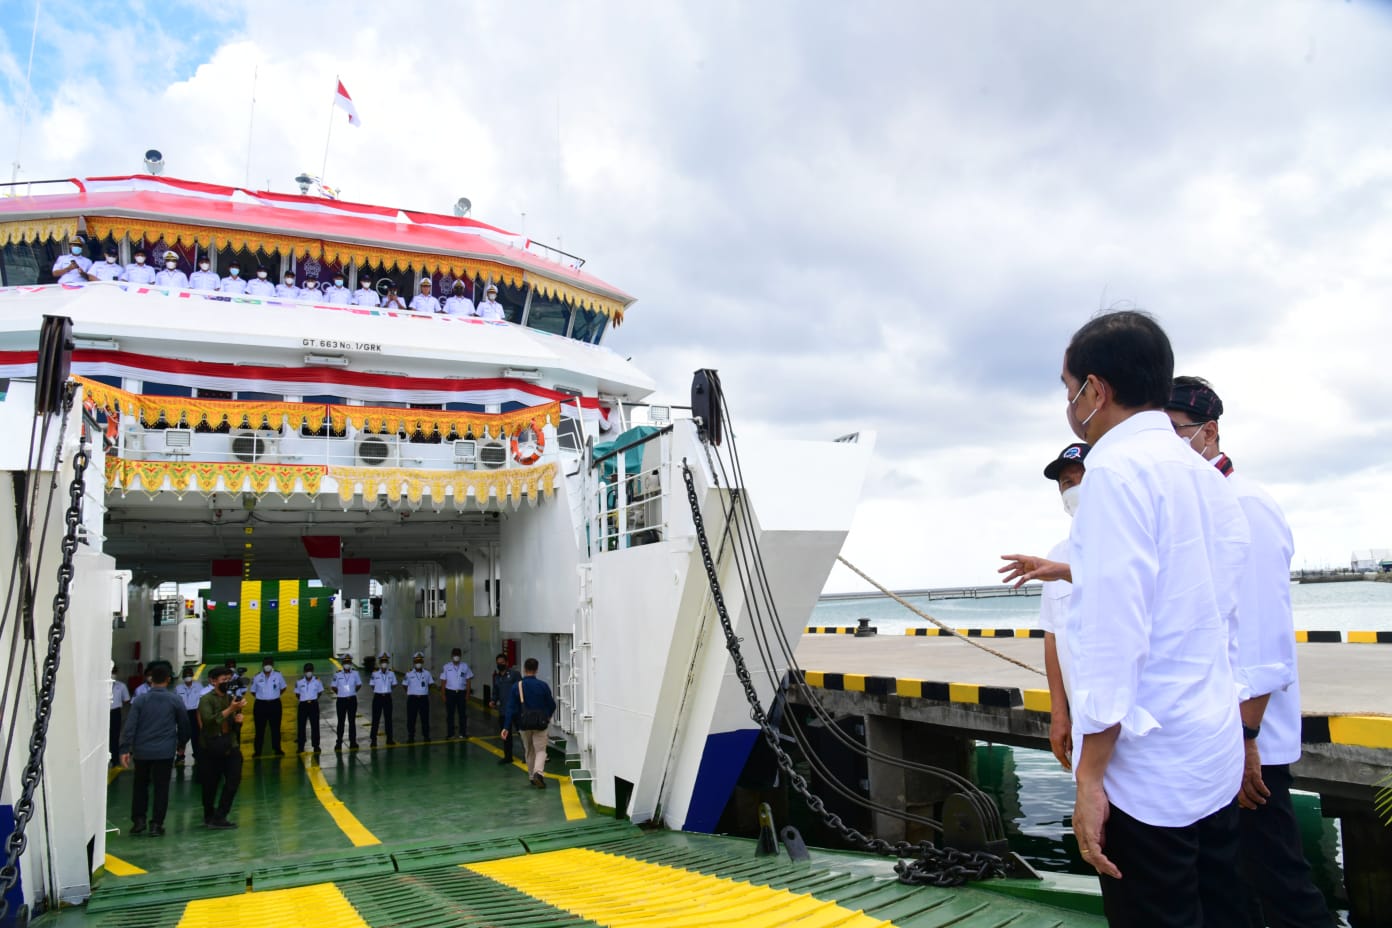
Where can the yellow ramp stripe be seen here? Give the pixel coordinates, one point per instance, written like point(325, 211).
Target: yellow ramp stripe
point(346, 821)
point(118, 867)
point(250, 616)
point(289, 633)
point(622, 893)
point(1369, 731)
point(322, 904)
point(570, 796)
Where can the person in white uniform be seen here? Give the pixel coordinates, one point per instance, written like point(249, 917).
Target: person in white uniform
point(489, 307)
point(455, 682)
point(288, 290)
point(107, 268)
point(310, 292)
point(233, 283)
point(418, 680)
point(171, 276)
point(189, 691)
point(204, 278)
point(138, 271)
point(267, 686)
point(1157, 548)
point(458, 304)
point(383, 680)
point(73, 267)
point(338, 295)
point(307, 691)
point(365, 295)
point(393, 300)
point(346, 683)
point(424, 301)
point(260, 285)
point(1268, 684)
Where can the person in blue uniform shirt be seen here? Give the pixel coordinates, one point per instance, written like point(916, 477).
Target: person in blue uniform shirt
point(138, 271)
point(233, 282)
point(424, 301)
point(189, 691)
point(418, 681)
point(260, 285)
point(307, 691)
point(120, 698)
point(458, 304)
point(337, 294)
point(383, 679)
point(267, 686)
point(455, 683)
point(204, 278)
point(72, 267)
point(346, 683)
point(171, 276)
point(365, 295)
point(288, 290)
point(144, 686)
point(107, 268)
point(310, 291)
point(393, 300)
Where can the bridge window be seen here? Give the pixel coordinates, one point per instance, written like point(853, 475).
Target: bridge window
point(22, 263)
point(588, 325)
point(514, 299)
point(549, 314)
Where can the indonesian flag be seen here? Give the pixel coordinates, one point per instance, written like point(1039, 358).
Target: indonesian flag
point(342, 100)
point(357, 577)
point(226, 580)
point(325, 553)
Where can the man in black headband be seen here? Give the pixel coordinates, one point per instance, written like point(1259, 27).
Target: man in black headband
point(1268, 687)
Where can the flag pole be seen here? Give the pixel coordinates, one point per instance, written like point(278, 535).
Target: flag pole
point(333, 104)
point(251, 124)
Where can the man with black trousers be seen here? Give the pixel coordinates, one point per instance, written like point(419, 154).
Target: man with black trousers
point(156, 726)
point(307, 690)
point(346, 683)
point(267, 686)
point(505, 679)
point(220, 762)
point(1273, 859)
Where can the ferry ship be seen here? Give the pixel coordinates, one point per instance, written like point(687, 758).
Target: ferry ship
point(356, 479)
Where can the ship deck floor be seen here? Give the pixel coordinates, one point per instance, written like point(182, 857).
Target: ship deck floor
point(441, 834)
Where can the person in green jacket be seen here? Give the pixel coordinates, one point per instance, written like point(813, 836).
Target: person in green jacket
point(220, 726)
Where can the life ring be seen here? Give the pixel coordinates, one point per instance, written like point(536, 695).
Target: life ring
point(537, 447)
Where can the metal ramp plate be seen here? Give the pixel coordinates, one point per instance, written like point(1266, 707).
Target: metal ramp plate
point(151, 890)
point(591, 833)
point(322, 868)
point(432, 856)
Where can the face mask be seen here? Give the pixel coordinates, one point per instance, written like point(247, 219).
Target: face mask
point(338, 281)
point(77, 249)
point(367, 285)
point(311, 285)
point(289, 281)
point(203, 265)
point(347, 668)
point(139, 259)
point(419, 665)
point(309, 675)
point(188, 680)
point(1070, 498)
point(267, 667)
point(222, 687)
point(1202, 448)
point(110, 259)
point(1079, 428)
point(455, 659)
point(261, 274)
point(171, 264)
point(234, 271)
point(502, 668)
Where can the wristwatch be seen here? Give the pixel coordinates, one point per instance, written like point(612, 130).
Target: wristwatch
point(1250, 732)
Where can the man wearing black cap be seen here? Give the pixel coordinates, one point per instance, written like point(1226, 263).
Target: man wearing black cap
point(1268, 685)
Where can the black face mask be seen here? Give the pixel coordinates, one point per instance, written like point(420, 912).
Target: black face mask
point(502, 668)
point(222, 687)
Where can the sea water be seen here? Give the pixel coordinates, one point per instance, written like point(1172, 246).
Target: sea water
point(1035, 794)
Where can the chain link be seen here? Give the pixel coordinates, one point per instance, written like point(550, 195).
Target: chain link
point(38, 738)
point(931, 865)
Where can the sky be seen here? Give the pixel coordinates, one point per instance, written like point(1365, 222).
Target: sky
point(881, 217)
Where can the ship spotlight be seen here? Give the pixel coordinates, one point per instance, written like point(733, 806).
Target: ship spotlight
point(154, 162)
point(462, 207)
point(304, 180)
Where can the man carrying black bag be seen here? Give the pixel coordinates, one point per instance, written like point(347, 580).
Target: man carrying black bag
point(530, 707)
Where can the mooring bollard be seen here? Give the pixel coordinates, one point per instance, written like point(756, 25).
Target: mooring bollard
point(865, 629)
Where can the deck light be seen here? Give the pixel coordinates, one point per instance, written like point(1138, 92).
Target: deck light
point(102, 344)
point(521, 374)
point(326, 360)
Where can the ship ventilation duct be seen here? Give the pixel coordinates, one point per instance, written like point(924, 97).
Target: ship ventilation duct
point(154, 162)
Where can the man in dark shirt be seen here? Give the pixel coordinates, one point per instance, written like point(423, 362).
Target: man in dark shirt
point(220, 724)
point(156, 726)
point(530, 707)
point(505, 680)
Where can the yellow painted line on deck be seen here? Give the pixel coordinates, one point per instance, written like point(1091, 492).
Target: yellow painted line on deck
point(321, 904)
point(346, 821)
point(570, 796)
point(964, 692)
point(112, 773)
point(1367, 731)
point(118, 867)
point(1038, 701)
point(619, 892)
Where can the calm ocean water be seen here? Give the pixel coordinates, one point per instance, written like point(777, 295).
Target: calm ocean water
point(1036, 795)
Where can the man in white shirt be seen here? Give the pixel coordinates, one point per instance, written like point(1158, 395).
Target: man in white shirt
point(138, 272)
point(337, 295)
point(233, 283)
point(189, 691)
point(1268, 686)
point(346, 684)
point(204, 278)
point(489, 307)
point(458, 304)
point(72, 267)
point(307, 691)
point(267, 686)
point(366, 296)
point(382, 681)
point(394, 301)
point(106, 269)
point(260, 285)
point(288, 290)
point(171, 276)
point(120, 698)
point(144, 686)
point(424, 301)
point(454, 691)
point(418, 681)
point(1156, 552)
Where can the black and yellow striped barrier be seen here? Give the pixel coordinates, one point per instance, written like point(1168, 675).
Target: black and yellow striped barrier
point(1336, 637)
point(1366, 731)
point(1302, 636)
point(829, 630)
point(976, 632)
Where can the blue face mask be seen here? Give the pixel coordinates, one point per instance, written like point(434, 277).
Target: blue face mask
point(76, 249)
point(234, 271)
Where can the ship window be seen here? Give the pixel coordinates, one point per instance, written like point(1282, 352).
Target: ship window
point(403, 279)
point(166, 389)
point(549, 314)
point(464, 407)
point(207, 394)
point(600, 328)
point(587, 325)
point(247, 261)
point(513, 300)
point(22, 262)
point(260, 397)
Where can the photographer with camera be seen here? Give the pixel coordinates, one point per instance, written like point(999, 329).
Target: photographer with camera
point(220, 724)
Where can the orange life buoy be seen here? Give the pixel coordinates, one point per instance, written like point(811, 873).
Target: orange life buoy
point(537, 447)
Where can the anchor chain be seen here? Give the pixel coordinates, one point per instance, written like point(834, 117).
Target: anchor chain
point(929, 864)
point(38, 738)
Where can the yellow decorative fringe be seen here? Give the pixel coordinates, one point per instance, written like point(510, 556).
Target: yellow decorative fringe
point(396, 482)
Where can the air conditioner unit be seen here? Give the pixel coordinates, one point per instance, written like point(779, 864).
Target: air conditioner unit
point(250, 446)
point(376, 451)
point(465, 451)
point(492, 455)
point(178, 441)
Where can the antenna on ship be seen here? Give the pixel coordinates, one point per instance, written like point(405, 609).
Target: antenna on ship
point(24, 109)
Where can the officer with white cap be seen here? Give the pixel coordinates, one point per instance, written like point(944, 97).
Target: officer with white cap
point(205, 278)
point(171, 276)
point(338, 295)
point(138, 272)
point(233, 282)
point(288, 290)
point(458, 304)
point(490, 308)
point(260, 285)
point(72, 267)
point(424, 301)
point(365, 295)
point(106, 269)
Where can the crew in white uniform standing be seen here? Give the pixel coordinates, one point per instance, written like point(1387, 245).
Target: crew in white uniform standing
point(489, 307)
point(393, 300)
point(72, 267)
point(267, 686)
point(458, 304)
point(204, 279)
point(120, 698)
point(383, 680)
point(338, 295)
point(307, 691)
point(418, 680)
point(425, 302)
point(260, 285)
point(138, 271)
point(171, 276)
point(107, 268)
point(346, 683)
point(455, 683)
point(365, 295)
point(233, 283)
point(288, 290)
